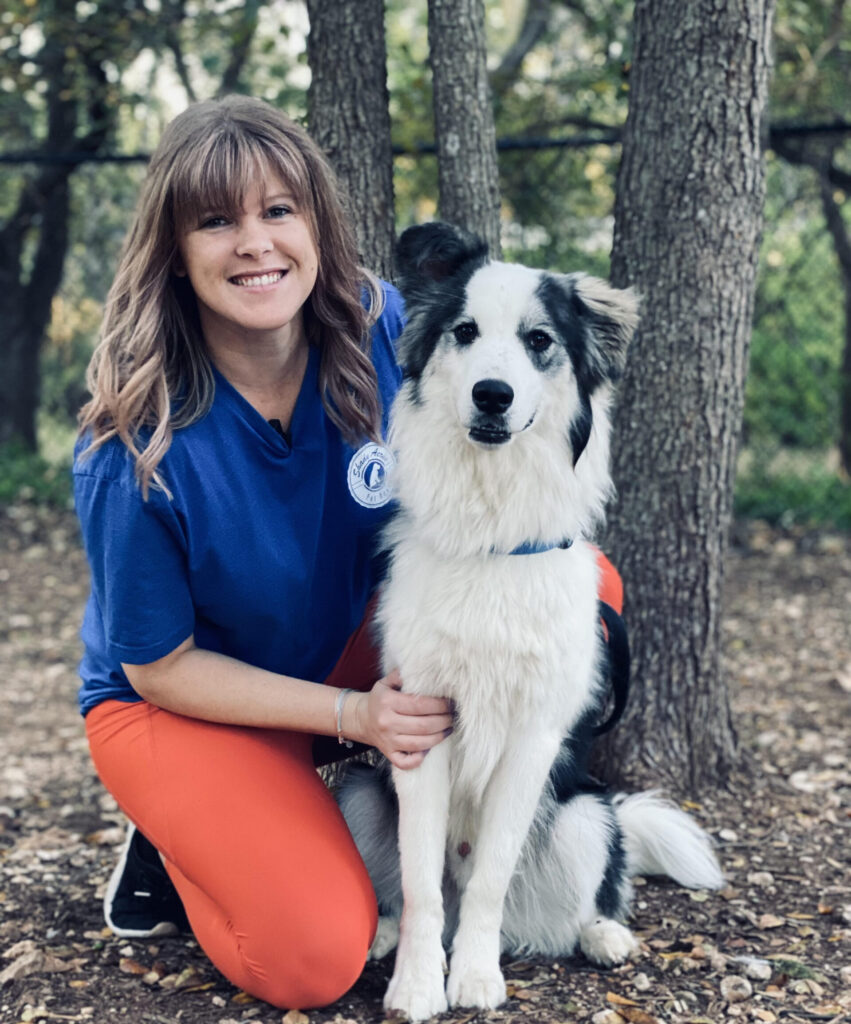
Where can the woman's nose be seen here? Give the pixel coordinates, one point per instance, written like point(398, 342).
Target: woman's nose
point(253, 239)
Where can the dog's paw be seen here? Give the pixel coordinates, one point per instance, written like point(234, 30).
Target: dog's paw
point(417, 988)
point(475, 984)
point(607, 942)
point(386, 938)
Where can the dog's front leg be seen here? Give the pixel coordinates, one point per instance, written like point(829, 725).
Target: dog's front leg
point(417, 987)
point(508, 809)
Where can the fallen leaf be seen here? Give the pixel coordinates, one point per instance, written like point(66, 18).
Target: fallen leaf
point(188, 976)
point(613, 997)
point(765, 1015)
point(34, 961)
point(127, 965)
point(792, 968)
point(243, 999)
point(636, 1016)
point(112, 836)
point(526, 993)
point(770, 921)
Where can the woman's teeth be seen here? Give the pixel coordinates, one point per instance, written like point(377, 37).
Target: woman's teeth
point(258, 280)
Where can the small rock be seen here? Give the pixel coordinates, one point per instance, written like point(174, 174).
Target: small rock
point(718, 962)
point(641, 982)
point(295, 1017)
point(735, 989)
point(758, 970)
point(728, 835)
point(763, 879)
point(845, 976)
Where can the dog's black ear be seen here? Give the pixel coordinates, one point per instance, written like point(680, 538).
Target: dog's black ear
point(611, 317)
point(435, 252)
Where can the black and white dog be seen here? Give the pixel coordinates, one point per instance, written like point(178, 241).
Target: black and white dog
point(501, 435)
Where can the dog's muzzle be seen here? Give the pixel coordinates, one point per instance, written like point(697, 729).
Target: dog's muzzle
point(492, 398)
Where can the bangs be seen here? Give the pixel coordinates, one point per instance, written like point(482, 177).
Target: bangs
point(217, 174)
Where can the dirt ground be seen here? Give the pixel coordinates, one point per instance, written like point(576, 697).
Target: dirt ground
point(773, 946)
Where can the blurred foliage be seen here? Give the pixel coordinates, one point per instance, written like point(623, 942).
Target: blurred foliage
point(29, 476)
point(557, 202)
point(792, 395)
point(787, 491)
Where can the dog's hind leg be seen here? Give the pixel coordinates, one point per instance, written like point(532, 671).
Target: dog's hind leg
point(572, 887)
point(607, 942)
point(588, 834)
point(417, 986)
point(386, 938)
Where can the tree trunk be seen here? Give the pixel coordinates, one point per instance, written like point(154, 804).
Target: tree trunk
point(688, 217)
point(468, 176)
point(842, 245)
point(349, 117)
point(25, 297)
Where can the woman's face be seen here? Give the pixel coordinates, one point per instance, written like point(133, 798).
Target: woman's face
point(253, 271)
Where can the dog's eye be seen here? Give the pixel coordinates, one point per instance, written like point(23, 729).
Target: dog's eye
point(539, 340)
point(466, 332)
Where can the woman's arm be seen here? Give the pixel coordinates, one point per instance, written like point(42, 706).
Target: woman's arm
point(202, 684)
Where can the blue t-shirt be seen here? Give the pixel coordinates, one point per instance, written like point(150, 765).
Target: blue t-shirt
point(263, 552)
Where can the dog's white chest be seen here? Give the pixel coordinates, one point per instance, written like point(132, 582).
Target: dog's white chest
point(506, 638)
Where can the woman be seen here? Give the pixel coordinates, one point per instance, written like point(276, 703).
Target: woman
point(229, 483)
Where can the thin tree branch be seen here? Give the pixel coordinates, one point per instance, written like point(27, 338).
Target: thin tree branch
point(536, 21)
point(836, 225)
point(242, 38)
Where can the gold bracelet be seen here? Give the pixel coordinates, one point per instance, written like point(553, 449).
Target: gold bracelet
point(338, 710)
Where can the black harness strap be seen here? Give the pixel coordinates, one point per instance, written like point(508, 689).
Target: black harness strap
point(618, 646)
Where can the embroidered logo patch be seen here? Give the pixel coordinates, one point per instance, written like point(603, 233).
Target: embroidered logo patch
point(369, 475)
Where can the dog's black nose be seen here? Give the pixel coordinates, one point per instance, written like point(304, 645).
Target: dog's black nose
point(492, 396)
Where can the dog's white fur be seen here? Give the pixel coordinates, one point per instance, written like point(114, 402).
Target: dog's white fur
point(514, 641)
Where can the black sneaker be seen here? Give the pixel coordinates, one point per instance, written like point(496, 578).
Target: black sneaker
point(141, 901)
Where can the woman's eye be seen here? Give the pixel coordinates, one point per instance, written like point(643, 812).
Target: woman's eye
point(466, 332)
point(276, 212)
point(216, 221)
point(539, 340)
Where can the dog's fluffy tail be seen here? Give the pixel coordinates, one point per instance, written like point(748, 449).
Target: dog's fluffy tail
point(660, 839)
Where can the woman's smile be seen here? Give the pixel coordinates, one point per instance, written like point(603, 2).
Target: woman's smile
point(252, 270)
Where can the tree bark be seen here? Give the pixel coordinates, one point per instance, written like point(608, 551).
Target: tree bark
point(25, 298)
point(842, 245)
point(688, 217)
point(349, 116)
point(468, 177)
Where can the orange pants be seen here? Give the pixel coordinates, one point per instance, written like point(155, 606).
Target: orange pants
point(272, 883)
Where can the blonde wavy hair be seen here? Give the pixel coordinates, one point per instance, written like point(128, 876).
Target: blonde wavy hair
point(151, 373)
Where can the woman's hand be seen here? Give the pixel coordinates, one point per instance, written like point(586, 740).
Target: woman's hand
point(404, 726)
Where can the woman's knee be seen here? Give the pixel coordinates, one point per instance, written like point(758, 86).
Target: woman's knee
point(307, 970)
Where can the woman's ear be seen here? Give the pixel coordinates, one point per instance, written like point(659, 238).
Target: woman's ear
point(177, 266)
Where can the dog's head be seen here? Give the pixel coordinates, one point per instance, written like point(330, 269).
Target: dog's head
point(517, 346)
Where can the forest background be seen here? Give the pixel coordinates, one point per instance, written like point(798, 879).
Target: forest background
point(86, 88)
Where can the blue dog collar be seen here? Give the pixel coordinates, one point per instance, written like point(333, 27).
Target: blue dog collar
point(536, 547)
